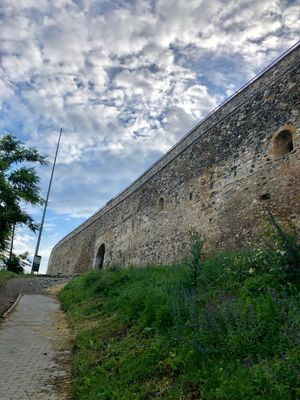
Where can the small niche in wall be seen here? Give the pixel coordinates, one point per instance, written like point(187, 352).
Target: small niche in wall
point(161, 204)
point(265, 196)
point(282, 142)
point(234, 171)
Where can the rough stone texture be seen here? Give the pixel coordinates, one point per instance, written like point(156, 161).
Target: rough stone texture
point(212, 181)
point(35, 351)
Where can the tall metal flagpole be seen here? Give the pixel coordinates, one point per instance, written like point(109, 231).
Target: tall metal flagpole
point(37, 259)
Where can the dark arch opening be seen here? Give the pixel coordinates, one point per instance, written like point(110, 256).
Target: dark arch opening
point(100, 256)
point(283, 143)
point(161, 204)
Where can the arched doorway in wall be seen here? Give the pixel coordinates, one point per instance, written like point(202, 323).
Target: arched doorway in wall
point(100, 257)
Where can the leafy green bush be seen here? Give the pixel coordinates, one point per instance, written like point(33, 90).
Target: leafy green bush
point(194, 263)
point(287, 250)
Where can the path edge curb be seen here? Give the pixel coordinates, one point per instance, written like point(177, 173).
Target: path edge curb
point(12, 306)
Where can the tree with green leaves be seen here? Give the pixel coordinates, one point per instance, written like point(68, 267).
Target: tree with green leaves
point(19, 186)
point(16, 263)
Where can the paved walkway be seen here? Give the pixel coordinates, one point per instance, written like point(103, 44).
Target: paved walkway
point(27, 285)
point(35, 351)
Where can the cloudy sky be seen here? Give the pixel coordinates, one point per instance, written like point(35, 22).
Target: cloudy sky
point(125, 80)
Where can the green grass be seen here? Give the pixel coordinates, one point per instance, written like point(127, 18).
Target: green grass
point(155, 333)
point(5, 276)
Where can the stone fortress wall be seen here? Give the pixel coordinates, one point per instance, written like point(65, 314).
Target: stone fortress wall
point(215, 180)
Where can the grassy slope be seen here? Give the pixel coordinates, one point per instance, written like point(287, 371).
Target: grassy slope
point(5, 276)
point(153, 332)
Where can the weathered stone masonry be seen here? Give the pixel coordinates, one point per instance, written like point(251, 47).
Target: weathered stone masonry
point(214, 180)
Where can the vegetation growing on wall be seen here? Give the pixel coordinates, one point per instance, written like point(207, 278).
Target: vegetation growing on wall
point(227, 328)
